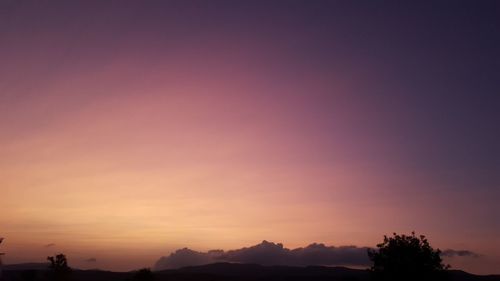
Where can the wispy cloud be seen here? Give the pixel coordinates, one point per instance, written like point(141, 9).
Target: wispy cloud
point(459, 253)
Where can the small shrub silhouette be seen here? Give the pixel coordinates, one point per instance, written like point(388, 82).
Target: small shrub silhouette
point(406, 257)
point(144, 274)
point(59, 269)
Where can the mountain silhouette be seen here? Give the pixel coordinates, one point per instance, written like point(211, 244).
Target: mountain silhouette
point(230, 271)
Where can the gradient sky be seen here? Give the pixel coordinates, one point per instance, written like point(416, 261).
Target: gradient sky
point(131, 129)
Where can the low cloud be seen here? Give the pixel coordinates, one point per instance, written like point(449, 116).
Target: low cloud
point(268, 253)
point(50, 245)
point(91, 260)
point(185, 257)
point(459, 253)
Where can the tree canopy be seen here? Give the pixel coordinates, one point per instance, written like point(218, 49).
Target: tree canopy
point(59, 267)
point(406, 257)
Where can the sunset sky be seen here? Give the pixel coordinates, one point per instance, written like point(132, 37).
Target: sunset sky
point(129, 129)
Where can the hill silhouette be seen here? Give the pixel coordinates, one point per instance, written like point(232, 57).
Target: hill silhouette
point(26, 266)
point(230, 271)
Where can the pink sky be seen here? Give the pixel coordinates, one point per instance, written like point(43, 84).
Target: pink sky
point(117, 146)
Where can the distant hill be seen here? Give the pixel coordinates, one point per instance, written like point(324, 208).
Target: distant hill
point(26, 266)
point(255, 271)
point(227, 272)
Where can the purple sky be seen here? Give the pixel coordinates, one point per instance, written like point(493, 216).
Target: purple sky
point(135, 128)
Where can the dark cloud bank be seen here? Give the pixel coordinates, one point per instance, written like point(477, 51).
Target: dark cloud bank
point(268, 253)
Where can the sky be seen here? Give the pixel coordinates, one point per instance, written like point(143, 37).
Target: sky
point(130, 129)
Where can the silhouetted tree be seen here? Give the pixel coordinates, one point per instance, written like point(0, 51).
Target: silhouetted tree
point(59, 267)
point(406, 257)
point(144, 274)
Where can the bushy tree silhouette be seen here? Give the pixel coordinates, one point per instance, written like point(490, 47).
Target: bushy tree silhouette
point(144, 274)
point(59, 267)
point(406, 257)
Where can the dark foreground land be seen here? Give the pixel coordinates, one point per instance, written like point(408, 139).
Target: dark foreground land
point(223, 272)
